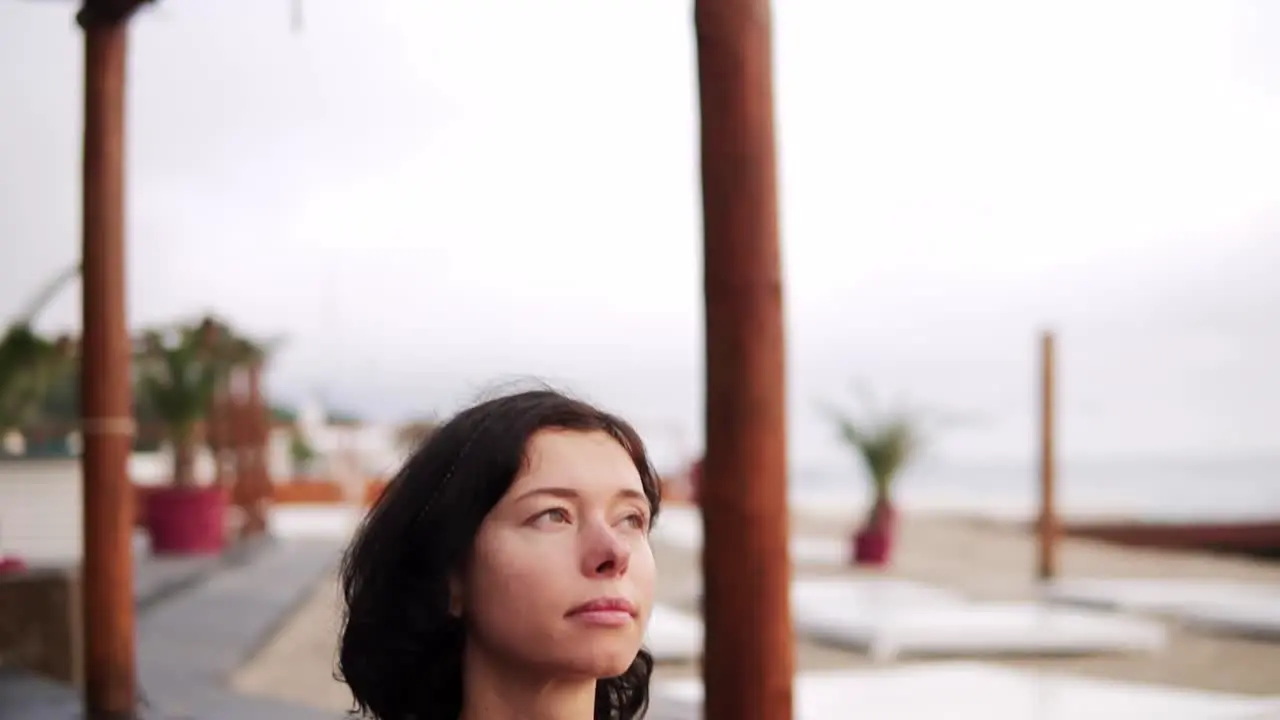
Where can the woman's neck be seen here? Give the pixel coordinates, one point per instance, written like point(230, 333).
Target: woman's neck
point(491, 691)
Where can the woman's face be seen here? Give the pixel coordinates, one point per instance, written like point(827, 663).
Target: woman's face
point(561, 577)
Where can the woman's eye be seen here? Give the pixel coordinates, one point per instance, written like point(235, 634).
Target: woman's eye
point(638, 521)
point(554, 516)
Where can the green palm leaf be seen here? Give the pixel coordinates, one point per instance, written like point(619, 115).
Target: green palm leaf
point(884, 441)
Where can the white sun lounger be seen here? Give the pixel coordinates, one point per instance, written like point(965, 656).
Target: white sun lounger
point(1254, 618)
point(974, 691)
point(870, 593)
point(1160, 596)
point(677, 636)
point(887, 629)
point(314, 520)
point(1240, 608)
point(820, 551)
point(673, 635)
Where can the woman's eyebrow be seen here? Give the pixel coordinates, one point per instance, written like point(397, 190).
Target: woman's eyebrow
point(571, 494)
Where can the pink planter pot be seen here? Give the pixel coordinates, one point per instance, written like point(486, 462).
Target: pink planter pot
point(186, 521)
point(873, 544)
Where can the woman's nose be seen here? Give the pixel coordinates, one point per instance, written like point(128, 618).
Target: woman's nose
point(606, 554)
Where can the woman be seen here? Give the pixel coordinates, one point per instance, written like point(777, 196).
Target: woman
point(506, 571)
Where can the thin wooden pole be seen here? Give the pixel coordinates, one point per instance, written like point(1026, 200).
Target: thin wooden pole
point(107, 422)
point(243, 437)
point(1048, 524)
point(257, 426)
point(749, 653)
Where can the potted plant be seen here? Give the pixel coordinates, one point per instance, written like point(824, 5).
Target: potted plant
point(179, 372)
point(885, 444)
point(301, 454)
point(30, 365)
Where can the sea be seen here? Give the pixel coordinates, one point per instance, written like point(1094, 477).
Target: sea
point(1154, 490)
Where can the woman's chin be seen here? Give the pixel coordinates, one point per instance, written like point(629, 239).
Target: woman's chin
point(616, 668)
point(601, 663)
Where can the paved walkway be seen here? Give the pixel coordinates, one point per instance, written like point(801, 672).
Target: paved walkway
point(158, 578)
point(194, 629)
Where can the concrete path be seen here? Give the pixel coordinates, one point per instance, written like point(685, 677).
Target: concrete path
point(194, 629)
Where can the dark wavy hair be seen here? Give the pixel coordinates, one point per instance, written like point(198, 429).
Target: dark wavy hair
point(401, 650)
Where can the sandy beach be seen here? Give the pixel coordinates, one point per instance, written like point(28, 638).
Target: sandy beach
point(985, 559)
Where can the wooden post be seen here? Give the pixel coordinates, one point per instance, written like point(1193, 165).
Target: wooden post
point(218, 426)
point(258, 431)
point(107, 422)
point(749, 653)
point(1048, 523)
point(241, 434)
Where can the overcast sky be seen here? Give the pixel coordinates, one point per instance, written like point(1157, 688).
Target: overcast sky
point(427, 196)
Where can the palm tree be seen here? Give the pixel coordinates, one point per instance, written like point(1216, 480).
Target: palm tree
point(885, 443)
point(30, 364)
point(884, 446)
point(179, 373)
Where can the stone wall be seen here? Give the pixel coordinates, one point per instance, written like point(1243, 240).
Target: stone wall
point(40, 623)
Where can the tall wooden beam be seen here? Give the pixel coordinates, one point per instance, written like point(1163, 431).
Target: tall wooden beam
point(255, 477)
point(107, 423)
point(749, 654)
point(1048, 522)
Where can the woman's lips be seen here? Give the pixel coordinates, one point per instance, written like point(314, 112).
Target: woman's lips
point(604, 612)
